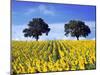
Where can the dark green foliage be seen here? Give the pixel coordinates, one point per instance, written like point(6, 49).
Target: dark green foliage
point(77, 29)
point(35, 28)
point(90, 66)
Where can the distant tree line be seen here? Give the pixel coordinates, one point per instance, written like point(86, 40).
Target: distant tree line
point(38, 26)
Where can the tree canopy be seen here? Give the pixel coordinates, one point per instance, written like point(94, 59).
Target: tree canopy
point(77, 29)
point(36, 28)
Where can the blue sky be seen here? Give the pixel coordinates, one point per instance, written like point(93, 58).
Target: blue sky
point(56, 15)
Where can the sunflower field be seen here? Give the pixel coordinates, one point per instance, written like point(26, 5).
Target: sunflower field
point(52, 55)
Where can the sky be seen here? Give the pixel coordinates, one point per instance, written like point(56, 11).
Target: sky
point(55, 15)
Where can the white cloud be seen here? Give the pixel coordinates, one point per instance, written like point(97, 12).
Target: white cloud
point(42, 9)
point(30, 11)
point(46, 10)
point(93, 38)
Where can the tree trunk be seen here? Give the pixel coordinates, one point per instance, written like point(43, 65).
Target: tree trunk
point(77, 38)
point(37, 37)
